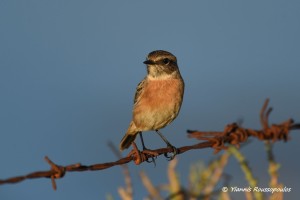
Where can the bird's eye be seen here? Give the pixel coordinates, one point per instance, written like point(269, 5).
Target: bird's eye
point(166, 61)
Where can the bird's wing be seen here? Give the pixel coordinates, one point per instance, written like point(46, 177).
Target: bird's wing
point(139, 90)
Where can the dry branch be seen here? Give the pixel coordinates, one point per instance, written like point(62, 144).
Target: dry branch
point(232, 134)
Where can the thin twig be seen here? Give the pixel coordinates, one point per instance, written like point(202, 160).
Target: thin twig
point(127, 192)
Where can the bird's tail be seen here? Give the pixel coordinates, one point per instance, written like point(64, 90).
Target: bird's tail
point(127, 140)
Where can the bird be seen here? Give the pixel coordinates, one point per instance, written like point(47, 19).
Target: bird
point(157, 99)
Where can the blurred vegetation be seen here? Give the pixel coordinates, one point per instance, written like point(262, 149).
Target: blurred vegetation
point(205, 181)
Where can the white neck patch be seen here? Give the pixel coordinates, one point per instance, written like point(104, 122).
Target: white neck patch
point(161, 77)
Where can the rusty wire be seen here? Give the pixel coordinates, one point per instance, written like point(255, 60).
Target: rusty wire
point(232, 134)
point(235, 134)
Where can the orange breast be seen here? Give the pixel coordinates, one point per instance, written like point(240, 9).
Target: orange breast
point(158, 104)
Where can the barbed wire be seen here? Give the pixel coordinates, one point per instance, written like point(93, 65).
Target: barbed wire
point(233, 134)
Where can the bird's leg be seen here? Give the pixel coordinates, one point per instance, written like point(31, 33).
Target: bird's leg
point(142, 140)
point(175, 150)
point(153, 154)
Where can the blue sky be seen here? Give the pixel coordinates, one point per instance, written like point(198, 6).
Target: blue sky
point(68, 72)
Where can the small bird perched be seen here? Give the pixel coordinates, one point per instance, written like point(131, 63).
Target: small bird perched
point(157, 99)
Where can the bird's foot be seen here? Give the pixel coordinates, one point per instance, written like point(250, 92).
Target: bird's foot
point(151, 155)
point(141, 156)
point(171, 156)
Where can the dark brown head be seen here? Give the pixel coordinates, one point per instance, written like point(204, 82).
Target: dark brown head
point(162, 64)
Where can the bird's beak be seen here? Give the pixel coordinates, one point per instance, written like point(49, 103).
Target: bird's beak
point(149, 62)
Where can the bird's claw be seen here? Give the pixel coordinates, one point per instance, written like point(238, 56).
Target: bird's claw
point(152, 160)
point(152, 155)
point(172, 154)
